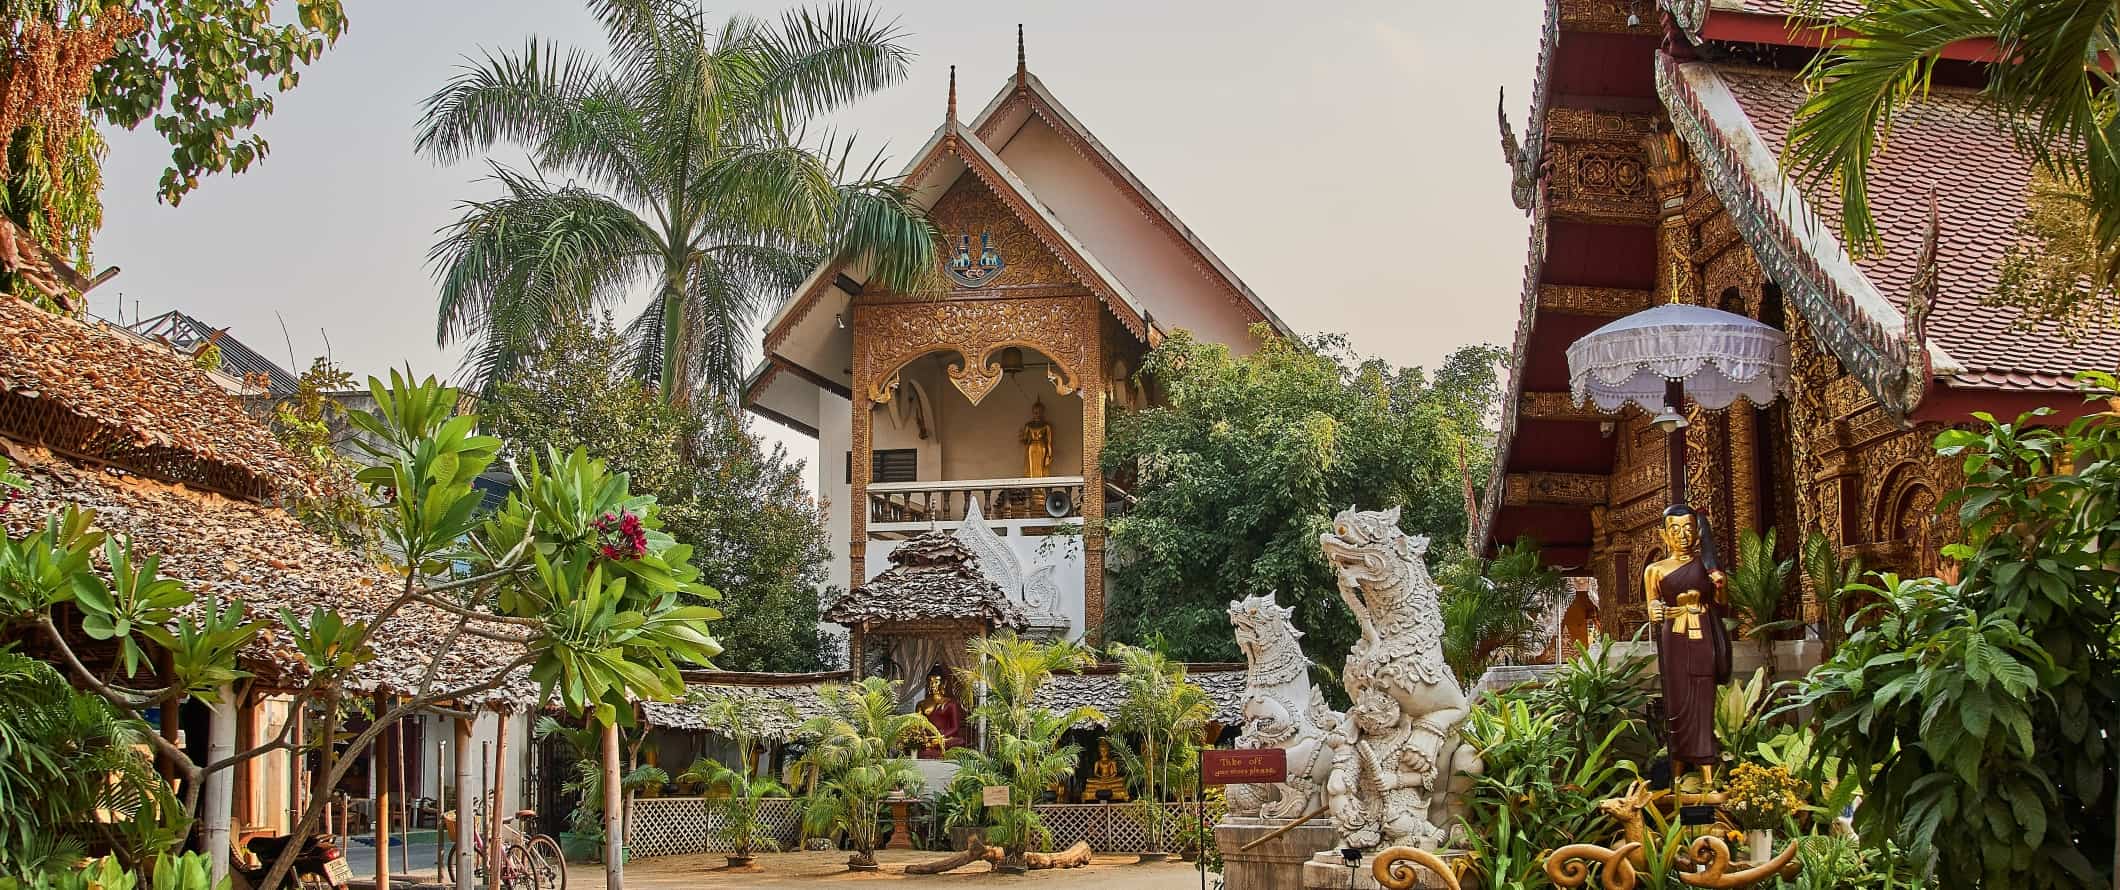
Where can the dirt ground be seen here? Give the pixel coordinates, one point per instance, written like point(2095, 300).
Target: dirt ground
point(710, 872)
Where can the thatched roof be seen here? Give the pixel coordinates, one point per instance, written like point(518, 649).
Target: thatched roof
point(797, 691)
point(81, 389)
point(1098, 687)
point(230, 548)
point(933, 576)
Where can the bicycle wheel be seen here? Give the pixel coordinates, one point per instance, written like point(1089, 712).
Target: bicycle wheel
point(516, 873)
point(551, 865)
point(449, 864)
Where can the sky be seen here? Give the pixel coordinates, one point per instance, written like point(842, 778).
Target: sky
point(1341, 156)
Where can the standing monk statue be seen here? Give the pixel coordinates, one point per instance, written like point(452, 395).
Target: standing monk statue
point(1037, 439)
point(1684, 593)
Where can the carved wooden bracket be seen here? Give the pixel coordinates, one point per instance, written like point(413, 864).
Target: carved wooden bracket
point(1534, 405)
point(1602, 302)
point(895, 333)
point(1521, 489)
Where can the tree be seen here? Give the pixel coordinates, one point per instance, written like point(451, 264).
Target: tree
point(735, 717)
point(1168, 715)
point(573, 570)
point(757, 533)
point(1246, 463)
point(857, 759)
point(2054, 96)
point(309, 422)
point(1021, 746)
point(1976, 713)
point(686, 170)
point(1493, 605)
point(205, 73)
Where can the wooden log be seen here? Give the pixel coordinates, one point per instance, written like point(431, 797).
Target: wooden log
point(975, 852)
point(1076, 856)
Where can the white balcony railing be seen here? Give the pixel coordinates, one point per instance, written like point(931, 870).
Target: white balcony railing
point(918, 506)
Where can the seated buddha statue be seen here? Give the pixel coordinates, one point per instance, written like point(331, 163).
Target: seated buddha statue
point(946, 716)
point(1105, 781)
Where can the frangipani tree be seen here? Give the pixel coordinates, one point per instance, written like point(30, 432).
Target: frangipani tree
point(571, 572)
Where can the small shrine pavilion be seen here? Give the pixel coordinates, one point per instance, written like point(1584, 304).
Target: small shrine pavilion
point(913, 621)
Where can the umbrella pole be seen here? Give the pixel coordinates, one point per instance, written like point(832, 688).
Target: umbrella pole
point(1675, 488)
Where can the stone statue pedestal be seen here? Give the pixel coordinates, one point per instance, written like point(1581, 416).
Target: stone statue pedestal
point(1327, 870)
point(1274, 865)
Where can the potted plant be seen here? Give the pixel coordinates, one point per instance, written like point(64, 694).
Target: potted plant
point(1167, 713)
point(1759, 799)
point(740, 788)
point(857, 762)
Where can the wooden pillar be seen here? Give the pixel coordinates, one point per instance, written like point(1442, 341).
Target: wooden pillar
point(498, 806)
point(221, 784)
point(380, 763)
point(1091, 386)
point(614, 813)
point(1743, 422)
point(857, 637)
point(859, 460)
point(466, 806)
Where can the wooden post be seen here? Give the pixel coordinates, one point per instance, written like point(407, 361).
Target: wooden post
point(614, 813)
point(221, 785)
point(466, 806)
point(494, 844)
point(379, 762)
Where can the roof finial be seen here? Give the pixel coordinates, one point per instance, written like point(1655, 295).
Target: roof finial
point(1022, 71)
point(953, 94)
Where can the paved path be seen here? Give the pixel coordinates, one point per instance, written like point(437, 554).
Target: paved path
point(710, 872)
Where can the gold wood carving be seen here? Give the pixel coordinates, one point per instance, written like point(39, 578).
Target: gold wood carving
point(897, 333)
point(969, 207)
point(1556, 406)
point(1570, 122)
point(1608, 16)
point(1599, 182)
point(1640, 478)
point(1603, 302)
point(1520, 489)
point(1093, 395)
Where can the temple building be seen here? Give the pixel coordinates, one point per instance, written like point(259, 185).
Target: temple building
point(1651, 170)
point(983, 398)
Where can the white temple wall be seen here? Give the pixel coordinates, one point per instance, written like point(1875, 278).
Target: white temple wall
point(835, 421)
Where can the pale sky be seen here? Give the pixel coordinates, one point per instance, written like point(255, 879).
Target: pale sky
point(1341, 156)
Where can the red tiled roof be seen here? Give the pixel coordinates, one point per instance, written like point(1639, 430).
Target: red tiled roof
point(1952, 144)
point(132, 404)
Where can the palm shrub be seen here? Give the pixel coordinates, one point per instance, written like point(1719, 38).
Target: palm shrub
point(683, 163)
point(737, 718)
point(1538, 779)
point(1756, 586)
point(66, 755)
point(1493, 606)
point(584, 779)
point(857, 760)
point(1021, 745)
point(1977, 713)
point(1829, 578)
point(1600, 691)
point(1166, 714)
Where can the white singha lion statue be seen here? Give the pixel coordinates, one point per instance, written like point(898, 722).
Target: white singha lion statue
point(1400, 769)
point(1281, 710)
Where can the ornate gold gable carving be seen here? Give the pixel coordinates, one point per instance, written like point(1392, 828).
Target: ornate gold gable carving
point(970, 209)
point(892, 334)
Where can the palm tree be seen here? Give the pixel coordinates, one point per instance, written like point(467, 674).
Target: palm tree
point(1021, 747)
point(737, 717)
point(687, 167)
point(1167, 713)
point(2057, 98)
point(857, 761)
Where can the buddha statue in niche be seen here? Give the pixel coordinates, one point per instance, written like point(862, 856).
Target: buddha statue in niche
point(1037, 439)
point(1105, 781)
point(945, 714)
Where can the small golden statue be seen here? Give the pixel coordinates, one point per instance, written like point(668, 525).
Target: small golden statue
point(946, 716)
point(1104, 780)
point(1037, 439)
point(1683, 593)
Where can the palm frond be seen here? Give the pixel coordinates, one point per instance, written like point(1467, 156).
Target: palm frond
point(821, 59)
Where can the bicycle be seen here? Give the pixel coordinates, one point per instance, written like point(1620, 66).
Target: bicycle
point(528, 862)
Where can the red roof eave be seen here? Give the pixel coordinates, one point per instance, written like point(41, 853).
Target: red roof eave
point(1751, 27)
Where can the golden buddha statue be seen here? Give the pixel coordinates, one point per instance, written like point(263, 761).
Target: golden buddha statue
point(945, 715)
point(1104, 780)
point(1684, 593)
point(1037, 439)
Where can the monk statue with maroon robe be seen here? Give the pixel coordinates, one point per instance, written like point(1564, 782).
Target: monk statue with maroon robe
point(1684, 593)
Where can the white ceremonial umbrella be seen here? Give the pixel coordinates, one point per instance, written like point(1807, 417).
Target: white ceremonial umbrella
point(1657, 357)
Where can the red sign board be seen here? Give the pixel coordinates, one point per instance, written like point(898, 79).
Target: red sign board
point(1246, 766)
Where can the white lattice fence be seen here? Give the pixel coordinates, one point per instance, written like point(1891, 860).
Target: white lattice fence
point(667, 826)
point(1112, 828)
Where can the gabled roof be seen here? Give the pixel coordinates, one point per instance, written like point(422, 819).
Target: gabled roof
point(992, 126)
point(189, 335)
point(1950, 144)
point(93, 392)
